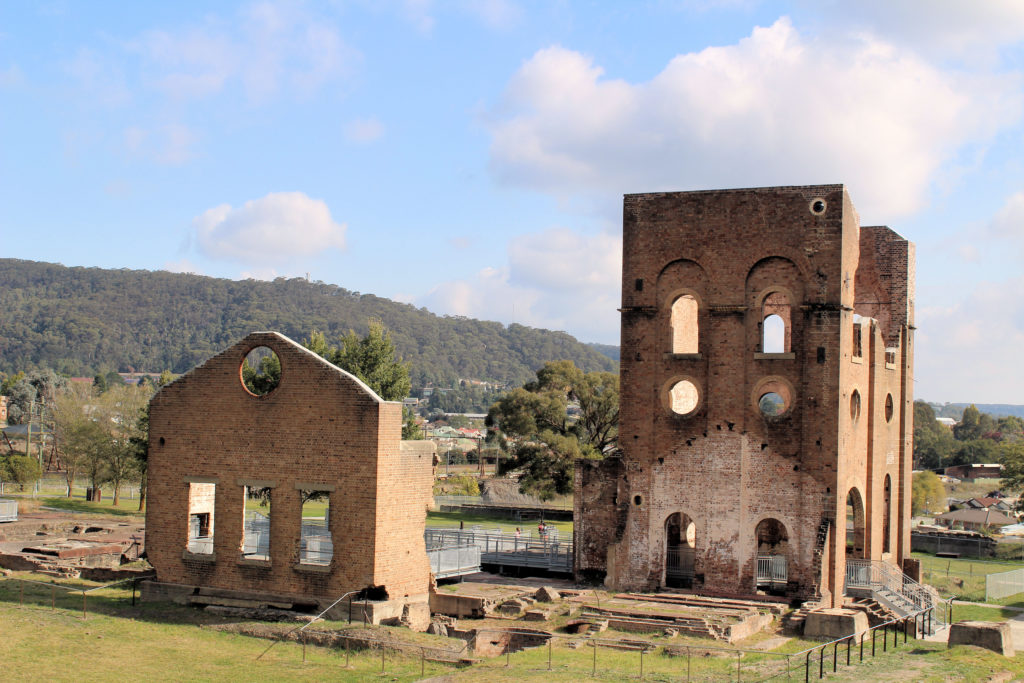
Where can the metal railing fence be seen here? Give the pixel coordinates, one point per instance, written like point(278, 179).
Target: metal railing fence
point(879, 576)
point(1004, 584)
point(8, 510)
point(549, 552)
point(772, 571)
point(448, 561)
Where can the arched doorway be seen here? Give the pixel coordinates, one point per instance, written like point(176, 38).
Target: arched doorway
point(680, 550)
point(886, 512)
point(772, 554)
point(854, 525)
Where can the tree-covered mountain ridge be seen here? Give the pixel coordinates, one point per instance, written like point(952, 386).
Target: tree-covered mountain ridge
point(80, 321)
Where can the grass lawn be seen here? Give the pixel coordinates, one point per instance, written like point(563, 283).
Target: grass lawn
point(964, 579)
point(160, 641)
point(128, 508)
point(452, 519)
point(976, 613)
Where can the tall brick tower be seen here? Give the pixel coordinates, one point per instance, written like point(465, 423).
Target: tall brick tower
point(766, 411)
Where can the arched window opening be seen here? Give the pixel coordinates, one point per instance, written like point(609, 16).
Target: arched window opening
point(776, 324)
point(854, 525)
point(680, 550)
point(684, 325)
point(772, 550)
point(886, 512)
point(858, 336)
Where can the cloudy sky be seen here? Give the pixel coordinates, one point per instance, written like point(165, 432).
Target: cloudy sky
point(471, 156)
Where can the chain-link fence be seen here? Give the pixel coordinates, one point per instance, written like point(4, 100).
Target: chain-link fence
point(55, 484)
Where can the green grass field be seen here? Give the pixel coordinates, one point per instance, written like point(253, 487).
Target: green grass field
point(160, 641)
point(964, 578)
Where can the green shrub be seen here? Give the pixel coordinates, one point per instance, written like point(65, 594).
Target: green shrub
point(21, 470)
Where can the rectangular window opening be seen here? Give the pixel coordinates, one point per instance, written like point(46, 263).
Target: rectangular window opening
point(256, 523)
point(857, 335)
point(201, 500)
point(316, 546)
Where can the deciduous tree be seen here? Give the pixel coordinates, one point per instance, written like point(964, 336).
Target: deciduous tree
point(927, 493)
point(534, 425)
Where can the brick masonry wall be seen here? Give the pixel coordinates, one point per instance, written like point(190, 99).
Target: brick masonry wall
point(319, 429)
point(724, 465)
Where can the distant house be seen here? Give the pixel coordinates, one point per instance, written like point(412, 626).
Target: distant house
point(975, 471)
point(987, 502)
point(946, 422)
point(3, 411)
point(974, 520)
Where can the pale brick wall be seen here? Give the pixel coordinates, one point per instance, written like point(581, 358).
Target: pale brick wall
point(319, 429)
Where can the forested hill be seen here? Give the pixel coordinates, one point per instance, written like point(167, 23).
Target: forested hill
point(80, 321)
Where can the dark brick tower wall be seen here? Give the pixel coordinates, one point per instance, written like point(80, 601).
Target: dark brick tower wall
point(741, 255)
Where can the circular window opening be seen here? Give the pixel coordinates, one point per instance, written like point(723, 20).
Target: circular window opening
point(683, 397)
point(888, 408)
point(637, 500)
point(855, 405)
point(818, 206)
point(772, 404)
point(261, 371)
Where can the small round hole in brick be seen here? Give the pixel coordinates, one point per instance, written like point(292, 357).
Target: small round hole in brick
point(818, 206)
point(637, 500)
point(888, 408)
point(684, 397)
point(772, 404)
point(260, 371)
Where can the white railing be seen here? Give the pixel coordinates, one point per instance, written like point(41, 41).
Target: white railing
point(8, 510)
point(546, 552)
point(877, 576)
point(772, 570)
point(201, 545)
point(456, 560)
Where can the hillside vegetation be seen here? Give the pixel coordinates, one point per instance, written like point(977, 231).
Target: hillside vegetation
point(81, 321)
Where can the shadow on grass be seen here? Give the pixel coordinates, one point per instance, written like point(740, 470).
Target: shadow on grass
point(75, 505)
point(111, 602)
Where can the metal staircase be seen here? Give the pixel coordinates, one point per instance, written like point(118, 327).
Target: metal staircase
point(894, 591)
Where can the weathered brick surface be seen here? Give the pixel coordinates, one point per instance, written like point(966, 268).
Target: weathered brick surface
point(725, 465)
point(320, 428)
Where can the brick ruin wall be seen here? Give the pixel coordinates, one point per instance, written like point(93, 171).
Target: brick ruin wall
point(724, 465)
point(319, 429)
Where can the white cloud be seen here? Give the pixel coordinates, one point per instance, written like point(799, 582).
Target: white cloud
point(99, 80)
point(171, 145)
point(942, 27)
point(1009, 222)
point(11, 76)
point(418, 13)
point(970, 350)
point(363, 131)
point(280, 226)
point(557, 279)
point(776, 108)
point(267, 47)
point(498, 14)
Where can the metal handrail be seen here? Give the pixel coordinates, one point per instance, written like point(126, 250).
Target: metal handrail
point(875, 575)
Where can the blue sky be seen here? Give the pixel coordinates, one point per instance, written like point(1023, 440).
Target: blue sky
point(471, 157)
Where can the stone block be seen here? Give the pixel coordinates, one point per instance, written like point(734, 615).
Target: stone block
point(995, 636)
point(830, 624)
point(547, 594)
